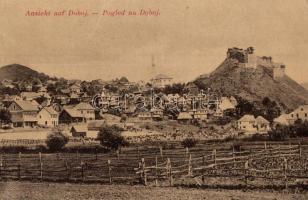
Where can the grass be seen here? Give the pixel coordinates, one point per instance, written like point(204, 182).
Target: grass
point(49, 191)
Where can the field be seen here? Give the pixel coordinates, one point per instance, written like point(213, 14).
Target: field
point(49, 191)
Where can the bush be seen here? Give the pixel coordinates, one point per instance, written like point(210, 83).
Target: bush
point(189, 142)
point(237, 145)
point(123, 118)
point(56, 140)
point(110, 137)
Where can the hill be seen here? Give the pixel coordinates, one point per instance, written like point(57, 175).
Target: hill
point(254, 78)
point(305, 85)
point(20, 72)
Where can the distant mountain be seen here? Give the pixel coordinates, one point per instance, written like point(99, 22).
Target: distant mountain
point(253, 78)
point(20, 72)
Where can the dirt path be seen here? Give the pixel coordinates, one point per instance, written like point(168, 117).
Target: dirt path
point(25, 190)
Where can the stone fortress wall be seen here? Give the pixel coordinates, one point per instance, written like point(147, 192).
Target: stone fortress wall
point(248, 59)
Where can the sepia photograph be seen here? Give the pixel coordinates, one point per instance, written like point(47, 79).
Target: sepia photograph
point(154, 99)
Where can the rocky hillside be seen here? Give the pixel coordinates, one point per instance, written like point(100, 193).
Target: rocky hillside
point(20, 72)
point(305, 85)
point(253, 84)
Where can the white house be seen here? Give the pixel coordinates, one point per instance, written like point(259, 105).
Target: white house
point(48, 117)
point(246, 123)
point(161, 81)
point(300, 113)
point(250, 124)
point(86, 110)
point(24, 114)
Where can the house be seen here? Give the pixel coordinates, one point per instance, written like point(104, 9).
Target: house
point(250, 124)
point(8, 84)
point(199, 114)
point(86, 111)
point(75, 88)
point(70, 115)
point(24, 114)
point(301, 113)
point(283, 119)
point(48, 117)
point(233, 101)
point(28, 87)
point(161, 80)
point(79, 130)
point(262, 124)
point(157, 114)
point(145, 116)
point(42, 89)
point(184, 117)
point(28, 96)
point(246, 123)
point(225, 104)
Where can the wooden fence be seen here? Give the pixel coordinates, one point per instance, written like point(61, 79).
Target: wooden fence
point(281, 164)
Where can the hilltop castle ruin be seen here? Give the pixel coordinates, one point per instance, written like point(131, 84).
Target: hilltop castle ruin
point(247, 59)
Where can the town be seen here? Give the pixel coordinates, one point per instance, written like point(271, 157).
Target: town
point(160, 109)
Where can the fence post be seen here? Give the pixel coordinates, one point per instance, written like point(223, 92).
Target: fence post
point(189, 166)
point(186, 152)
point(203, 169)
point(161, 151)
point(285, 172)
point(82, 170)
point(41, 166)
point(109, 171)
point(118, 154)
point(1, 164)
point(300, 149)
point(214, 157)
point(68, 172)
point(19, 166)
point(233, 156)
point(265, 145)
point(169, 171)
point(156, 171)
point(96, 157)
point(144, 174)
point(77, 155)
point(290, 148)
point(246, 172)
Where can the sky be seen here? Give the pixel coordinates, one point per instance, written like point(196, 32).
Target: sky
point(187, 39)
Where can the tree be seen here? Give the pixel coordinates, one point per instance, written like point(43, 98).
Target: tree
point(5, 116)
point(176, 88)
point(40, 99)
point(189, 142)
point(56, 140)
point(244, 107)
point(110, 137)
point(123, 79)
